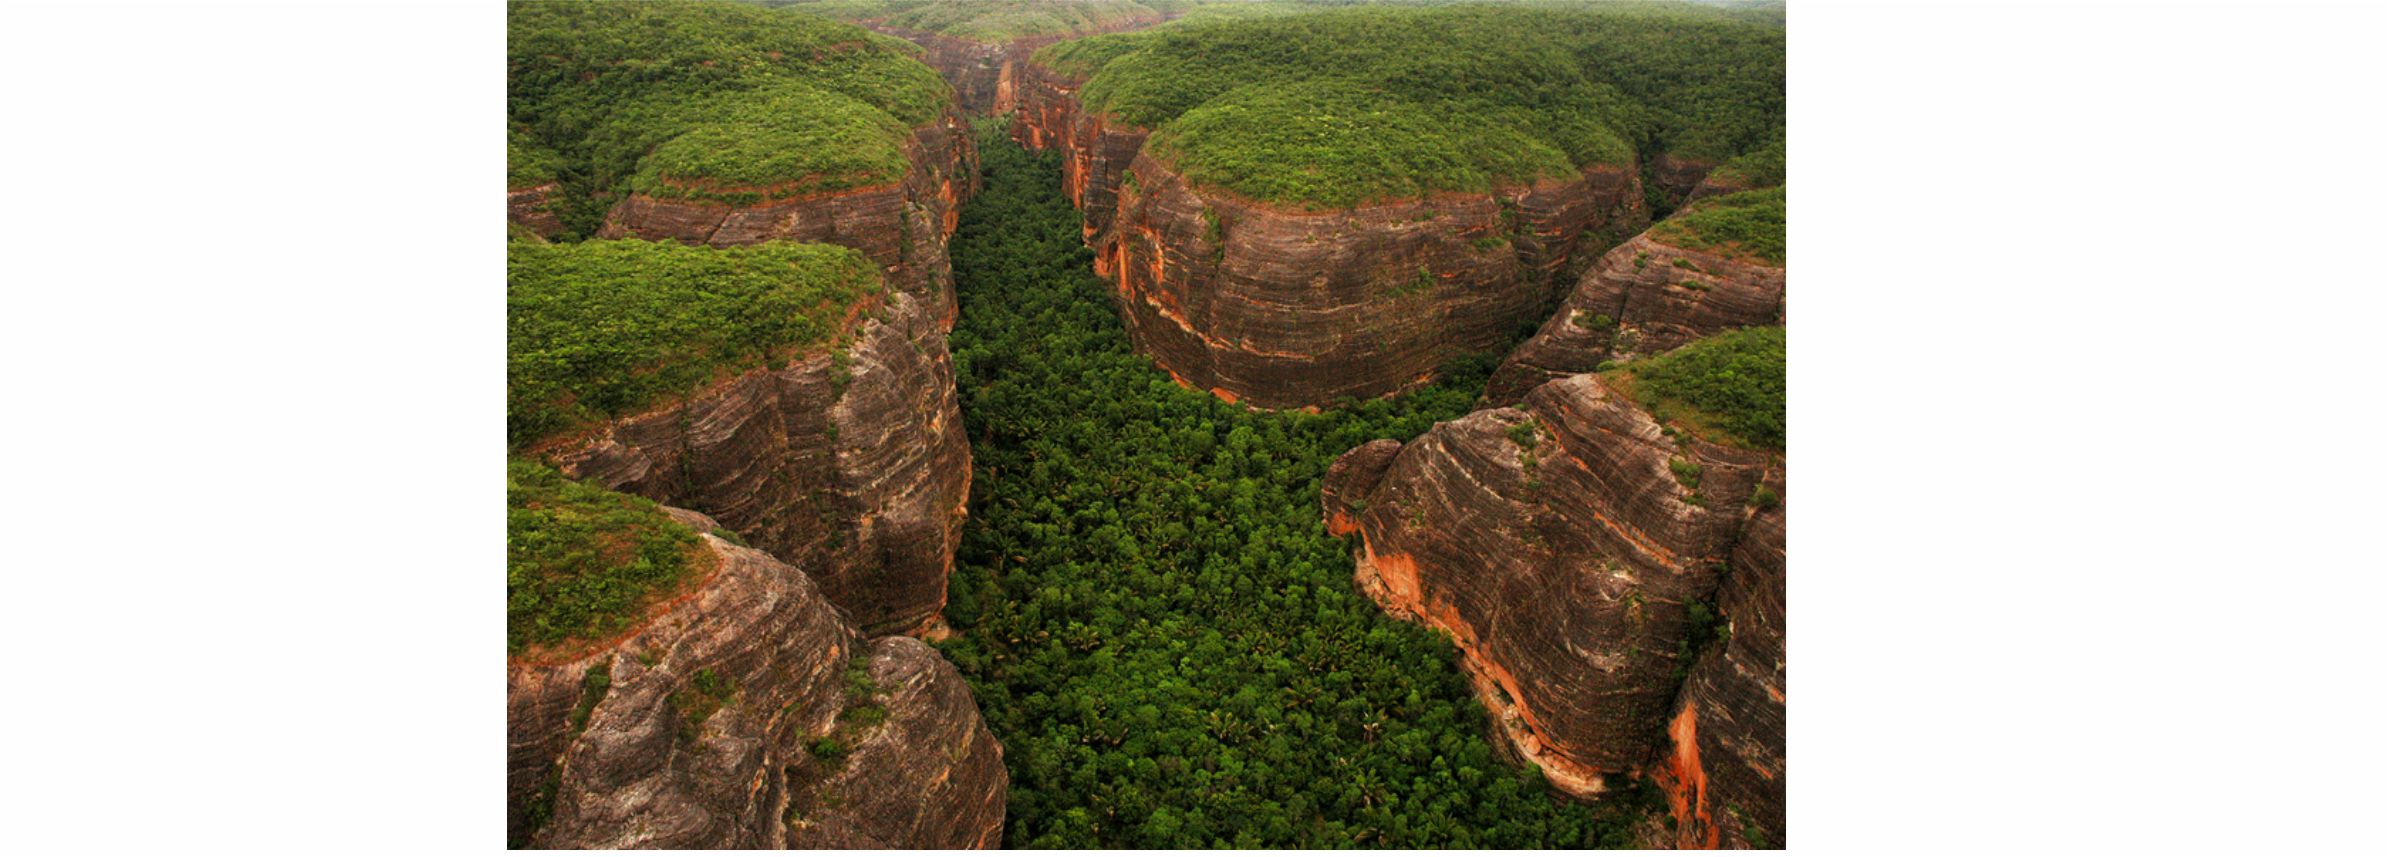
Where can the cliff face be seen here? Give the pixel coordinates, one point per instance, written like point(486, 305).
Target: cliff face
point(903, 226)
point(1281, 308)
point(1095, 152)
point(987, 76)
point(1724, 766)
point(851, 464)
point(1558, 546)
point(702, 729)
point(527, 206)
point(1644, 297)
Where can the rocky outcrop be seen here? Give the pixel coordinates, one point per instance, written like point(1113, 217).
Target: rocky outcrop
point(1096, 151)
point(987, 76)
point(1564, 545)
point(1281, 308)
point(747, 713)
point(1644, 297)
point(528, 208)
point(1723, 769)
point(901, 226)
point(851, 463)
point(1675, 177)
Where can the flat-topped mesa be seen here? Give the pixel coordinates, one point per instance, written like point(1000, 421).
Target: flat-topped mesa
point(1715, 266)
point(903, 225)
point(1574, 548)
point(733, 707)
point(1722, 769)
point(1282, 308)
point(842, 452)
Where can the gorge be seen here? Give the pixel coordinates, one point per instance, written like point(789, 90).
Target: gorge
point(1007, 459)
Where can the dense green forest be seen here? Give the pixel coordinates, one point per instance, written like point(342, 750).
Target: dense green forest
point(582, 561)
point(1152, 618)
point(711, 98)
point(1332, 107)
point(601, 329)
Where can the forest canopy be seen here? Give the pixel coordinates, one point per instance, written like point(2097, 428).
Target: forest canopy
point(988, 20)
point(600, 329)
point(1728, 387)
point(1599, 83)
point(724, 94)
point(582, 562)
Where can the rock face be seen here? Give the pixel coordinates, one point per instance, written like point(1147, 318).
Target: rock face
point(1723, 770)
point(527, 206)
point(1644, 297)
point(1676, 177)
point(987, 76)
point(903, 226)
point(1096, 152)
point(1283, 308)
point(851, 464)
point(1560, 548)
point(697, 729)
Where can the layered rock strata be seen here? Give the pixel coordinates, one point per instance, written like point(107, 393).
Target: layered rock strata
point(1645, 297)
point(1283, 308)
point(1723, 768)
point(730, 719)
point(1563, 545)
point(901, 226)
point(850, 463)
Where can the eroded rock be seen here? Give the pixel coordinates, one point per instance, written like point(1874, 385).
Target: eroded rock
point(1645, 297)
point(850, 463)
point(702, 729)
point(1562, 544)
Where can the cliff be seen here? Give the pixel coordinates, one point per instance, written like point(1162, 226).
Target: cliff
point(1723, 768)
point(988, 76)
point(1280, 306)
point(1284, 308)
point(903, 226)
point(1557, 545)
point(1660, 290)
point(850, 463)
point(528, 208)
point(746, 713)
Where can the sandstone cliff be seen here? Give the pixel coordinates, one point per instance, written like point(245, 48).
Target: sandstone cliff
point(902, 226)
point(1279, 307)
point(1723, 769)
point(1644, 297)
point(748, 714)
point(851, 464)
point(1571, 547)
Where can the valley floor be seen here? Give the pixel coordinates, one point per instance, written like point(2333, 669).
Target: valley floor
point(1154, 621)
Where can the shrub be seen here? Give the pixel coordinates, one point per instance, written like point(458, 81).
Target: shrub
point(582, 562)
point(1747, 225)
point(1728, 387)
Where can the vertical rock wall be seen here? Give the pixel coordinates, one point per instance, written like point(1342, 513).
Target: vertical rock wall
point(1645, 297)
point(1563, 547)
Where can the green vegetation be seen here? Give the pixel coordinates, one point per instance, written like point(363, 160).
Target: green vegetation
point(583, 563)
point(1343, 106)
point(987, 20)
point(697, 701)
point(1150, 613)
point(1763, 167)
point(1727, 388)
point(736, 96)
point(1747, 225)
point(608, 328)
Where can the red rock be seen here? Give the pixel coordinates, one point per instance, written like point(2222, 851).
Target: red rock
point(1640, 299)
point(1723, 768)
point(1282, 308)
point(862, 482)
point(1563, 570)
point(986, 76)
point(527, 206)
point(903, 226)
point(640, 772)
